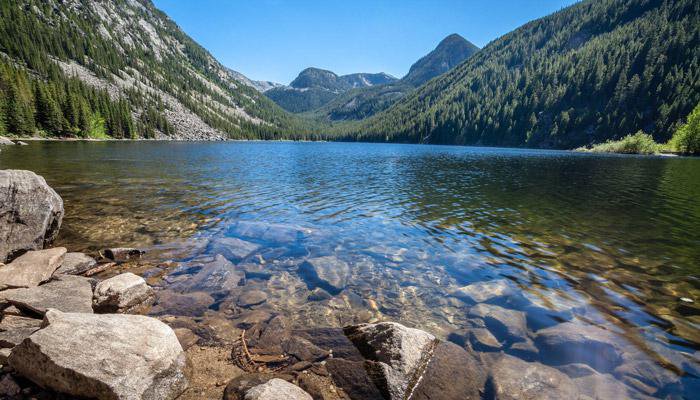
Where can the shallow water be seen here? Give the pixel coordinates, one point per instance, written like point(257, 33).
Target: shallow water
point(608, 240)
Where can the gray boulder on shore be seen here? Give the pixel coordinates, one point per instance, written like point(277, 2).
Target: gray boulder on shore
point(5, 141)
point(114, 356)
point(76, 264)
point(122, 293)
point(65, 293)
point(30, 213)
point(31, 268)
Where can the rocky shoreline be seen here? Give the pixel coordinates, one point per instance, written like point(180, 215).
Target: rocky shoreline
point(75, 325)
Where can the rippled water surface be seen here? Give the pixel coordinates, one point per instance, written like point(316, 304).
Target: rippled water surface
point(610, 241)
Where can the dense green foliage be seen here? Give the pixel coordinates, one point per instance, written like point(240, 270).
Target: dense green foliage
point(638, 143)
point(56, 105)
point(299, 101)
point(591, 72)
point(35, 35)
point(686, 139)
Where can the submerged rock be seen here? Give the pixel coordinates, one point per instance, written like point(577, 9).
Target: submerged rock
point(30, 213)
point(571, 342)
point(76, 264)
point(481, 292)
point(108, 356)
point(396, 356)
point(122, 293)
point(31, 269)
point(190, 304)
point(218, 275)
point(233, 249)
point(505, 324)
point(5, 141)
point(452, 373)
point(513, 378)
point(329, 273)
point(65, 293)
point(251, 298)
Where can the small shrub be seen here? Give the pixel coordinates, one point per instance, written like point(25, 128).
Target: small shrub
point(639, 143)
point(686, 139)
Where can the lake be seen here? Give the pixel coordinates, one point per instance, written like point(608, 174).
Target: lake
point(604, 240)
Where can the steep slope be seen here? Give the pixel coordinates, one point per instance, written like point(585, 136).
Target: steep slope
point(314, 87)
point(137, 56)
point(596, 70)
point(365, 102)
point(260, 86)
point(450, 52)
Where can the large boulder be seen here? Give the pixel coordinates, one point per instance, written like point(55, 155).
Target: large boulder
point(276, 389)
point(328, 273)
point(123, 293)
point(5, 141)
point(396, 356)
point(104, 356)
point(512, 378)
point(572, 342)
point(31, 268)
point(66, 293)
point(30, 213)
point(76, 264)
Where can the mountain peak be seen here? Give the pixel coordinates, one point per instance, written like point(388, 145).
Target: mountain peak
point(451, 51)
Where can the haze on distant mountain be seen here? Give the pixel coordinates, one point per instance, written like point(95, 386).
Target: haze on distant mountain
point(314, 87)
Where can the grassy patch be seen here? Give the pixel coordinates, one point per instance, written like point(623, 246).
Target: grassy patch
point(638, 143)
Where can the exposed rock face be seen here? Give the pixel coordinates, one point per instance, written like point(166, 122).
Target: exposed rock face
point(66, 293)
point(452, 373)
point(76, 264)
point(328, 273)
point(14, 329)
point(579, 343)
point(112, 356)
point(481, 292)
point(514, 379)
point(275, 389)
point(30, 213)
point(122, 293)
point(31, 268)
point(396, 355)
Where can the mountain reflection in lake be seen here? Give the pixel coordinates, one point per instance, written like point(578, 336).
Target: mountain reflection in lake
point(332, 234)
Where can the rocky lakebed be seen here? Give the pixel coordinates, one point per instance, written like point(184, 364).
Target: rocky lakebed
point(124, 324)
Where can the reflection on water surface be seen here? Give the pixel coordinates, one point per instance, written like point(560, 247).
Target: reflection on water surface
point(607, 241)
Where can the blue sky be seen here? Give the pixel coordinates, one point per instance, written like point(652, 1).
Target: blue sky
point(275, 39)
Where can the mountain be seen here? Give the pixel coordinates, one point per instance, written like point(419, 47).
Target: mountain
point(365, 102)
point(597, 70)
point(314, 87)
point(449, 53)
point(260, 86)
point(120, 68)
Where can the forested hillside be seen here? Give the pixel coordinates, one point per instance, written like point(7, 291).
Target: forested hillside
point(124, 69)
point(597, 70)
point(364, 102)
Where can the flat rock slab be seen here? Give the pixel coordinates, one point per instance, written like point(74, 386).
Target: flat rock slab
point(189, 304)
point(31, 268)
point(251, 298)
point(30, 213)
point(76, 264)
point(503, 323)
point(329, 273)
point(277, 389)
point(218, 275)
point(396, 355)
point(122, 293)
point(514, 379)
point(115, 356)
point(233, 249)
point(14, 329)
point(572, 342)
point(489, 291)
point(65, 293)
